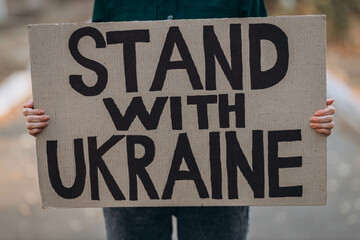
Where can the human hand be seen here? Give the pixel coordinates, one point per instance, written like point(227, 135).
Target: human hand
point(322, 121)
point(35, 118)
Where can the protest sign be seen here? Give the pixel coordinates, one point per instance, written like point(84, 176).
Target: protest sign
point(208, 112)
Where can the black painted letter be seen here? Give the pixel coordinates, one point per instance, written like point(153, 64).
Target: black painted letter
point(173, 37)
point(266, 79)
point(129, 38)
point(136, 108)
point(215, 165)
point(183, 151)
point(276, 162)
point(213, 49)
point(201, 103)
point(236, 158)
point(76, 81)
point(225, 109)
point(97, 163)
point(176, 113)
point(54, 174)
point(137, 165)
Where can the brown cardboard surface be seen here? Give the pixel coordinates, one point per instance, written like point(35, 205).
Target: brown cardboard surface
point(275, 126)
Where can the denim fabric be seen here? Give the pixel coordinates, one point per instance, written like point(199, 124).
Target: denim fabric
point(198, 223)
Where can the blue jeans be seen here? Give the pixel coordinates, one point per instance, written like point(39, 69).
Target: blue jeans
point(154, 223)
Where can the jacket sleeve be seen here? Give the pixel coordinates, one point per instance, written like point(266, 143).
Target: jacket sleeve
point(100, 13)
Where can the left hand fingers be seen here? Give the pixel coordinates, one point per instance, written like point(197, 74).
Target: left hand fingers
point(329, 125)
point(329, 110)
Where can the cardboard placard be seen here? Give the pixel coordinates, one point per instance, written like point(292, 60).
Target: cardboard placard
point(208, 112)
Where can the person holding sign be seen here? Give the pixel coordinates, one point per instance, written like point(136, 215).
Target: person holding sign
point(193, 222)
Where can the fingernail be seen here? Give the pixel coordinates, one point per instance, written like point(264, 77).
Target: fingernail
point(41, 112)
point(46, 117)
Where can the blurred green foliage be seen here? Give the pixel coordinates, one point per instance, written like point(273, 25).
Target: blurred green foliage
point(341, 14)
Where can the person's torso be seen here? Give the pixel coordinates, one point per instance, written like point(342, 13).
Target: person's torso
point(124, 10)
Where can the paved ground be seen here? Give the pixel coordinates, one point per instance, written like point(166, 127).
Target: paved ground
point(21, 216)
point(340, 218)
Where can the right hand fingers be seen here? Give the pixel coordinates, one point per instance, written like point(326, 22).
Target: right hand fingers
point(329, 110)
point(30, 111)
point(322, 119)
point(38, 125)
point(33, 132)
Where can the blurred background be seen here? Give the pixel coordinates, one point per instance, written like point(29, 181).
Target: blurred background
point(21, 215)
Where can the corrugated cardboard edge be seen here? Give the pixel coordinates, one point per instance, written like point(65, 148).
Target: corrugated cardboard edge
point(31, 26)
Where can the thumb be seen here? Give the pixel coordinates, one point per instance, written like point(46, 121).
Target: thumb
point(329, 101)
point(29, 104)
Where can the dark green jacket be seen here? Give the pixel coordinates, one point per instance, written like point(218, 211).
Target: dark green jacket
point(129, 10)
